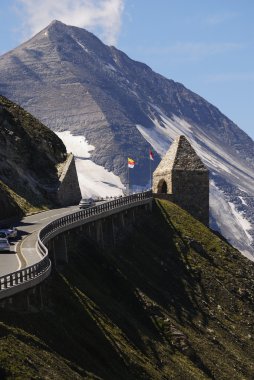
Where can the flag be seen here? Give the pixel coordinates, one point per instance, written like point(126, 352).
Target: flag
point(131, 163)
point(151, 155)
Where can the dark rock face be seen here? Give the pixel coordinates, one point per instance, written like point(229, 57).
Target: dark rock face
point(70, 80)
point(29, 153)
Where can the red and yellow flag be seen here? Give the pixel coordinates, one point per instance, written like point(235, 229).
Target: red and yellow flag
point(131, 163)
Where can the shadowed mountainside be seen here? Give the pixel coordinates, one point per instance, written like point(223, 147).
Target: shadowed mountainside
point(174, 301)
point(29, 155)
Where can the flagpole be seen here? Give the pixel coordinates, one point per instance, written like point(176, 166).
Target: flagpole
point(128, 180)
point(131, 163)
point(150, 172)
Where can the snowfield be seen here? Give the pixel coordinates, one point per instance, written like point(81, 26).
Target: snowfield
point(94, 180)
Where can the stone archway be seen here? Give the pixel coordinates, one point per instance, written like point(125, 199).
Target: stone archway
point(162, 187)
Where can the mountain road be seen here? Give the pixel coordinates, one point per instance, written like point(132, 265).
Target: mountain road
point(22, 252)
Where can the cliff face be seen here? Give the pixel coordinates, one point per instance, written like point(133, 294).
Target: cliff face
point(174, 301)
point(29, 153)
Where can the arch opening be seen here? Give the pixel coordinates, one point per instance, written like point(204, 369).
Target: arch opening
point(162, 187)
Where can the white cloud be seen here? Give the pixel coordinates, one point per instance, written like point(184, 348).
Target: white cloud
point(100, 16)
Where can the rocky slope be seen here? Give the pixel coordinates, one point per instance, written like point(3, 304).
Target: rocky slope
point(71, 81)
point(174, 301)
point(29, 154)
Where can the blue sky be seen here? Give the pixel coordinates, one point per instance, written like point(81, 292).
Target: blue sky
point(208, 45)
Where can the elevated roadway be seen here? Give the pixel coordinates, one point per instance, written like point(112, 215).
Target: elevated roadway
point(28, 228)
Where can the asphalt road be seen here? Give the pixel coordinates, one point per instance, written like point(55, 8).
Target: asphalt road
point(9, 261)
point(27, 234)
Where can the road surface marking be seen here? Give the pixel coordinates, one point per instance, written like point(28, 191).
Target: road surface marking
point(20, 251)
point(16, 254)
point(19, 261)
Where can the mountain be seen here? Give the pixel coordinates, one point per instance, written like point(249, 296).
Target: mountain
point(71, 81)
point(30, 153)
point(174, 301)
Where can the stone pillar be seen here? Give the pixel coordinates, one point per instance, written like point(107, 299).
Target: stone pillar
point(99, 233)
point(60, 249)
point(113, 226)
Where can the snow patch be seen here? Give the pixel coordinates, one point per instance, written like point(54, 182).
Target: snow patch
point(156, 138)
point(110, 67)
point(165, 130)
point(76, 144)
point(134, 93)
point(94, 180)
point(243, 201)
point(232, 224)
point(81, 45)
point(244, 223)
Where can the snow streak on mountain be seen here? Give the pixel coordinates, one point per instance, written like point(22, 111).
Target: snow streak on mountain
point(72, 82)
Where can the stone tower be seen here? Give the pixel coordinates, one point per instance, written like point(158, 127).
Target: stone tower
point(182, 174)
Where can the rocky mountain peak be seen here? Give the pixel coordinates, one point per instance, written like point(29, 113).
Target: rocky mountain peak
point(75, 39)
point(56, 22)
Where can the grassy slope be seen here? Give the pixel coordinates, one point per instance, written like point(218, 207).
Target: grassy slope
point(15, 205)
point(174, 302)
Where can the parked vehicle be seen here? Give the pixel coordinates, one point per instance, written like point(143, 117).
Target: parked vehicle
point(10, 232)
point(3, 235)
point(4, 244)
point(85, 203)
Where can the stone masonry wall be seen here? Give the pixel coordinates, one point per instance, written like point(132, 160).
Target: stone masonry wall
point(191, 192)
point(69, 191)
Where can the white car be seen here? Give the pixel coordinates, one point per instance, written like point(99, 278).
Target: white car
point(4, 244)
point(85, 203)
point(10, 232)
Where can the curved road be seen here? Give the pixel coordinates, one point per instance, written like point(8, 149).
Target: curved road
point(27, 234)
